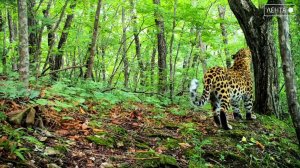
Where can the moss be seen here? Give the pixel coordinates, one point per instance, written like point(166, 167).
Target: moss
point(171, 143)
point(142, 145)
point(168, 160)
point(102, 140)
point(151, 159)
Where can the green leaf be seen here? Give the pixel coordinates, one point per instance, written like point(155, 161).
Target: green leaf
point(42, 102)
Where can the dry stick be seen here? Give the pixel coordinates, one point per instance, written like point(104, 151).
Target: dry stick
point(128, 91)
point(72, 67)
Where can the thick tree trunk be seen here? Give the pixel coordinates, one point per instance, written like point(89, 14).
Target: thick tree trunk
point(288, 71)
point(137, 43)
point(162, 50)
point(23, 43)
point(222, 10)
point(257, 31)
point(90, 61)
point(124, 49)
point(63, 39)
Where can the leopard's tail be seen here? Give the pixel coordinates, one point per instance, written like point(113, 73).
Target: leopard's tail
point(193, 91)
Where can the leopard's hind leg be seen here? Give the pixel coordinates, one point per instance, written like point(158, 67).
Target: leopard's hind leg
point(248, 104)
point(215, 104)
point(223, 96)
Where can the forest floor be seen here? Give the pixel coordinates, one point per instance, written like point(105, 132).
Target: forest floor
point(119, 129)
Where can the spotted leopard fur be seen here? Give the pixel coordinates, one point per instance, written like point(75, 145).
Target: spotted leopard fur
point(227, 86)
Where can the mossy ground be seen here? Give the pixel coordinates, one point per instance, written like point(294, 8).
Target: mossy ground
point(135, 134)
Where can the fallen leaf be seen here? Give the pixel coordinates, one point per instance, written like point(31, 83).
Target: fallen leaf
point(184, 145)
point(81, 110)
point(43, 93)
point(62, 132)
point(120, 144)
point(51, 151)
point(244, 139)
point(43, 139)
point(261, 146)
point(98, 130)
point(85, 125)
point(3, 139)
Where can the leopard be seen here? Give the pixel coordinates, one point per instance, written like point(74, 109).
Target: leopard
point(225, 87)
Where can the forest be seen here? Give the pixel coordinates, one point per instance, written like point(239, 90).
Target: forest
point(107, 83)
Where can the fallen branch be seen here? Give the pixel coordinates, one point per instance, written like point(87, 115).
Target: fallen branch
point(55, 71)
point(128, 91)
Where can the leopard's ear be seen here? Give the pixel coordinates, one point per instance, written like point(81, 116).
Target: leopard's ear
point(233, 56)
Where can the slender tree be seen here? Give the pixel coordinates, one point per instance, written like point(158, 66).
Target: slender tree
point(137, 42)
point(124, 49)
point(63, 39)
point(90, 61)
point(4, 50)
point(288, 70)
point(23, 43)
point(222, 10)
point(258, 34)
point(162, 49)
point(171, 85)
point(32, 30)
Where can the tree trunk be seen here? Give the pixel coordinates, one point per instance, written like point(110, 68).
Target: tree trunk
point(90, 61)
point(23, 43)
point(288, 71)
point(52, 34)
point(152, 66)
point(10, 27)
point(137, 43)
point(222, 10)
point(4, 50)
point(257, 31)
point(171, 84)
point(32, 29)
point(12, 39)
point(124, 48)
point(162, 50)
point(63, 39)
point(39, 39)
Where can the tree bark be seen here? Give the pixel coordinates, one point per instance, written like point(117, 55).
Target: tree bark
point(288, 71)
point(124, 49)
point(257, 31)
point(90, 61)
point(162, 50)
point(63, 39)
point(23, 43)
point(222, 10)
point(137, 43)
